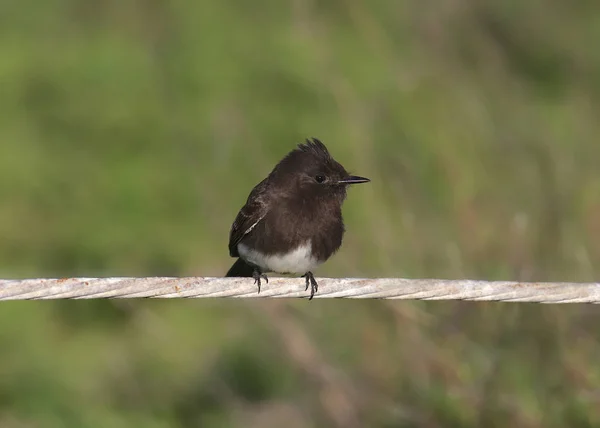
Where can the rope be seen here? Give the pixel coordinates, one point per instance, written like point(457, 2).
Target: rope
point(355, 288)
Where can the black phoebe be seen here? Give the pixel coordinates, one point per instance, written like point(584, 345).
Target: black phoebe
point(292, 220)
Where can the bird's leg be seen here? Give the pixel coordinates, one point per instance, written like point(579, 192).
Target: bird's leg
point(257, 275)
point(314, 287)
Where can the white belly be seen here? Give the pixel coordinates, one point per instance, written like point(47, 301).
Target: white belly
point(298, 261)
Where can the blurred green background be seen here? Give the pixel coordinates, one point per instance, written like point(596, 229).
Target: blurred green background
point(132, 131)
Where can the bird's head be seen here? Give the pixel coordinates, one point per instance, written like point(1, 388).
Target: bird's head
point(311, 168)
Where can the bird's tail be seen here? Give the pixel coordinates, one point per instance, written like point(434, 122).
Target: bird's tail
point(240, 269)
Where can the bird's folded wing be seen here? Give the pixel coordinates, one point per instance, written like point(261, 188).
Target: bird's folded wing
point(249, 216)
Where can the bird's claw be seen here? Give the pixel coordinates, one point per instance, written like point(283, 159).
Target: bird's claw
point(310, 280)
point(257, 277)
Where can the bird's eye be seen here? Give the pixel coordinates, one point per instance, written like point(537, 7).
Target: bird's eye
point(320, 178)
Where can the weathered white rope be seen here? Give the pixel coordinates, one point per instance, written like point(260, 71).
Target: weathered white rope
point(355, 288)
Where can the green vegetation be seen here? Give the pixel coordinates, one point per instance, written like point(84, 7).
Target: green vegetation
point(131, 132)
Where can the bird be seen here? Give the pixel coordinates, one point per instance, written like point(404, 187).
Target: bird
point(292, 220)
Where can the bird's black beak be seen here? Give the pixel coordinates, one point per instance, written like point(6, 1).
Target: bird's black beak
point(353, 179)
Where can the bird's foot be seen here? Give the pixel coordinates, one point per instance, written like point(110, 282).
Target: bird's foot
point(310, 280)
point(257, 275)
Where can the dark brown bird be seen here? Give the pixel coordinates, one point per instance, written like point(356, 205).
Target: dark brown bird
point(292, 221)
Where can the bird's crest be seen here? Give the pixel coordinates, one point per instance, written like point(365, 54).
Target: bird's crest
point(315, 147)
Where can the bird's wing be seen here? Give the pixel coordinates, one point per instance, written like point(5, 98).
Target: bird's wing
point(250, 215)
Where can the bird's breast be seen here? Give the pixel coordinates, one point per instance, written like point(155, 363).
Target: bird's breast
point(296, 261)
point(294, 237)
